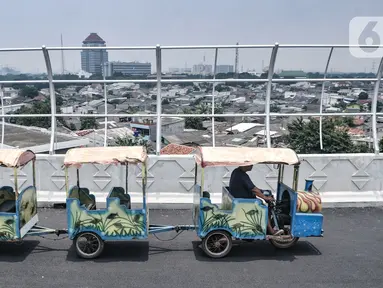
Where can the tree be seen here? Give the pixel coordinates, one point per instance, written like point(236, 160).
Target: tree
point(88, 123)
point(363, 96)
point(362, 148)
point(221, 88)
point(165, 101)
point(274, 109)
point(42, 107)
point(59, 101)
point(110, 92)
point(72, 127)
point(129, 140)
point(196, 102)
point(29, 92)
point(192, 122)
point(344, 121)
point(37, 108)
point(197, 122)
point(340, 104)
point(304, 138)
point(127, 95)
point(218, 109)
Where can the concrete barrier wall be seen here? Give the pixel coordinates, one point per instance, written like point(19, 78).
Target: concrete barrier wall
point(340, 178)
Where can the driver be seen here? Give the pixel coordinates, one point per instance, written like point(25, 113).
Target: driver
point(241, 186)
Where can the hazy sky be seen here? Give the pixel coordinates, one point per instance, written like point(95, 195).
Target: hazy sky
point(26, 23)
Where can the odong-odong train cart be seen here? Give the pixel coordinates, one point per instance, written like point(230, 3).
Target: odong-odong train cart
point(18, 210)
point(88, 226)
point(298, 213)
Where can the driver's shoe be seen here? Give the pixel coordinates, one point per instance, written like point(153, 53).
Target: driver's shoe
point(279, 232)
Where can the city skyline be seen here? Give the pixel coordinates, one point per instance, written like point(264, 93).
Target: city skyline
point(185, 23)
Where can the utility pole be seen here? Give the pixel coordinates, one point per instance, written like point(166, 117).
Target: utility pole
point(236, 61)
point(2, 113)
point(62, 57)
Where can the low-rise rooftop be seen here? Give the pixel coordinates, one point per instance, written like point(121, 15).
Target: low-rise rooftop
point(175, 149)
point(38, 139)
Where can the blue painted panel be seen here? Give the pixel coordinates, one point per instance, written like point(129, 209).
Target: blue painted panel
point(113, 223)
point(26, 205)
point(309, 185)
point(196, 202)
point(26, 209)
point(302, 224)
point(293, 200)
point(308, 225)
point(11, 224)
point(247, 219)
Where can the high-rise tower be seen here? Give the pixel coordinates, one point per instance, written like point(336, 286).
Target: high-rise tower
point(92, 60)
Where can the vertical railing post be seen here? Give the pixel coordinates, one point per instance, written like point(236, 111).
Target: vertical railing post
point(106, 108)
point(3, 119)
point(268, 92)
point(52, 98)
point(375, 105)
point(159, 103)
point(321, 99)
point(213, 97)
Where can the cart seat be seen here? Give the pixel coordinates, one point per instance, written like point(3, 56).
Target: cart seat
point(205, 194)
point(126, 202)
point(87, 200)
point(8, 206)
point(89, 206)
point(119, 192)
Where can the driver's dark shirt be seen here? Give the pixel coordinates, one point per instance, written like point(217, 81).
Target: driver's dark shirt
point(240, 185)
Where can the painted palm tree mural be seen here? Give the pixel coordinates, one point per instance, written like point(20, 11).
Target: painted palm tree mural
point(7, 227)
point(253, 223)
point(214, 220)
point(246, 220)
point(113, 222)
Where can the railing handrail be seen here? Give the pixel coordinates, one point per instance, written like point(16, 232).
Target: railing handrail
point(159, 80)
point(173, 47)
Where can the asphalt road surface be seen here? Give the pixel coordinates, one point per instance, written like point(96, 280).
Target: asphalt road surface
point(349, 255)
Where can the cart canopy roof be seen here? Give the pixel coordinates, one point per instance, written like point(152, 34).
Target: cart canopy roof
point(14, 158)
point(105, 155)
point(243, 156)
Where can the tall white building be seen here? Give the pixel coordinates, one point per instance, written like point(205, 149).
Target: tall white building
point(92, 60)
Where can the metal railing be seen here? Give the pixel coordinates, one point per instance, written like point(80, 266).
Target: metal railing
point(158, 49)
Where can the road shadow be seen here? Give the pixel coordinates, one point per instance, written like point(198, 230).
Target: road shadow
point(156, 250)
point(259, 250)
point(17, 252)
point(126, 251)
point(44, 249)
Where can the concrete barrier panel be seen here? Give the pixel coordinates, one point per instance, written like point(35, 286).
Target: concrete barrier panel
point(339, 178)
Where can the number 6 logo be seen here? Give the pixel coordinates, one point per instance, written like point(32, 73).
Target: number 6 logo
point(366, 31)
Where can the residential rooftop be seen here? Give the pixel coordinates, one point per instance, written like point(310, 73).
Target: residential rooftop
point(38, 139)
